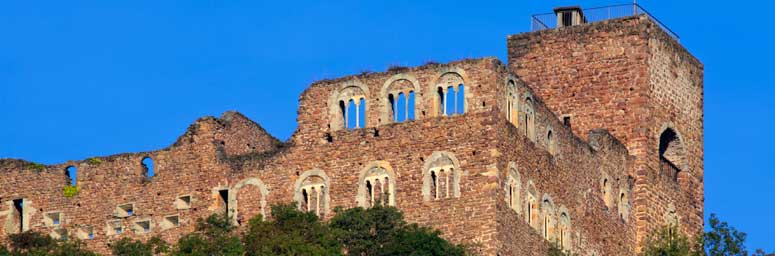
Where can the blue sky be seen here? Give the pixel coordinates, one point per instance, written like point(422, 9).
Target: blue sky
point(89, 78)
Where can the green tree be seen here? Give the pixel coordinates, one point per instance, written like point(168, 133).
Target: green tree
point(33, 243)
point(381, 230)
point(669, 241)
point(290, 232)
point(724, 240)
point(129, 247)
point(214, 236)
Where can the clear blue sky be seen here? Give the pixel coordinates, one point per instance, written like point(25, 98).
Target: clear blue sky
point(89, 78)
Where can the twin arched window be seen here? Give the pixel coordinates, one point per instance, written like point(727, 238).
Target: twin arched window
point(400, 91)
point(512, 110)
point(312, 192)
point(353, 113)
point(529, 119)
point(513, 189)
point(402, 106)
point(450, 93)
point(349, 106)
point(376, 185)
point(441, 177)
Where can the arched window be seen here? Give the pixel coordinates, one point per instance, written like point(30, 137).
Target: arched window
point(348, 106)
point(376, 185)
point(72, 173)
point(671, 219)
point(564, 230)
point(551, 145)
point(672, 157)
point(529, 119)
point(400, 90)
point(624, 204)
point(531, 206)
point(549, 221)
point(312, 192)
point(148, 167)
point(450, 92)
point(441, 176)
point(512, 113)
point(250, 199)
point(513, 189)
point(607, 191)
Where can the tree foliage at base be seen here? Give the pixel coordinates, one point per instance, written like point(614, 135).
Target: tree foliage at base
point(291, 232)
point(721, 240)
point(31, 243)
point(381, 230)
point(214, 236)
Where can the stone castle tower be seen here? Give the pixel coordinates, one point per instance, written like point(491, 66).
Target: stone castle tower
point(590, 137)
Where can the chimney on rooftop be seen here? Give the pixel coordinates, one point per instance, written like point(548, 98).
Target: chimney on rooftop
point(569, 16)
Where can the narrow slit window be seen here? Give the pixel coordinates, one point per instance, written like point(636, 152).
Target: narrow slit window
point(72, 173)
point(362, 113)
point(461, 99)
point(352, 111)
point(450, 95)
point(442, 103)
point(148, 167)
point(224, 196)
point(401, 109)
point(18, 206)
point(393, 107)
point(410, 104)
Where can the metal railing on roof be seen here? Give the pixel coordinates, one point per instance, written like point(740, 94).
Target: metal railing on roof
point(549, 20)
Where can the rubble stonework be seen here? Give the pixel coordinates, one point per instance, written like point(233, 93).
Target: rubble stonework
point(508, 174)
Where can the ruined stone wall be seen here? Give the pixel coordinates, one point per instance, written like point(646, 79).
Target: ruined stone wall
point(572, 178)
point(507, 174)
point(212, 169)
point(629, 77)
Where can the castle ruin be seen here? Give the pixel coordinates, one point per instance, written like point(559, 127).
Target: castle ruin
point(590, 137)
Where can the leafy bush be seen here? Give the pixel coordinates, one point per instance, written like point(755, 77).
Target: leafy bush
point(70, 191)
point(213, 236)
point(291, 232)
point(36, 243)
point(381, 230)
point(129, 247)
point(36, 167)
point(94, 161)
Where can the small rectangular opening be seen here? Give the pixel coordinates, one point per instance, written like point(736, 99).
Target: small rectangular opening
point(59, 234)
point(143, 226)
point(173, 220)
point(567, 19)
point(116, 227)
point(566, 121)
point(18, 206)
point(124, 210)
point(85, 232)
point(224, 195)
point(183, 202)
point(52, 218)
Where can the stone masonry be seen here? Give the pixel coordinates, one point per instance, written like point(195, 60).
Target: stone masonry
point(590, 137)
